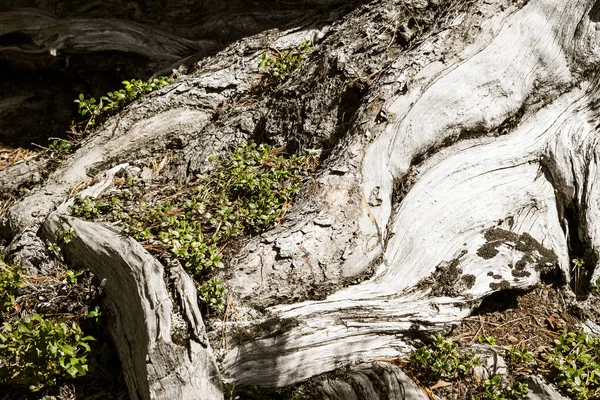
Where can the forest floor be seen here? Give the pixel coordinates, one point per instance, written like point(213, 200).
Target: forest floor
point(529, 320)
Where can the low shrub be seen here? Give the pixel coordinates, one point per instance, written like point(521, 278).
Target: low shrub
point(574, 364)
point(247, 192)
point(35, 351)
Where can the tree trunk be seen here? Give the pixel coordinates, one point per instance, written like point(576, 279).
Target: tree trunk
point(460, 154)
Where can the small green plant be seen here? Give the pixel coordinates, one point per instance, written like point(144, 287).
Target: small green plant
point(488, 340)
point(281, 64)
point(93, 110)
point(65, 235)
point(95, 314)
point(441, 359)
point(53, 247)
point(72, 275)
point(517, 356)
point(575, 364)
point(10, 282)
point(59, 149)
point(212, 292)
point(88, 108)
point(37, 352)
point(494, 389)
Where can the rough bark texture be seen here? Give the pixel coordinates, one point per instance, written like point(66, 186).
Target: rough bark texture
point(460, 154)
point(161, 337)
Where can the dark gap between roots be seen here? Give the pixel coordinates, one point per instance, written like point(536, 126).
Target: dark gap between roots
point(579, 250)
point(499, 301)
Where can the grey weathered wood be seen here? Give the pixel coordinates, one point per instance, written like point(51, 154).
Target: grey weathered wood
point(454, 180)
point(377, 380)
point(539, 389)
point(518, 184)
point(159, 334)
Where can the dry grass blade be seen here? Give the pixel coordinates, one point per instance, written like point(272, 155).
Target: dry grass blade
point(5, 206)
point(11, 156)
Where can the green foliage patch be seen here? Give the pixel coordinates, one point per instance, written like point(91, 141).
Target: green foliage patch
point(10, 281)
point(59, 149)
point(574, 363)
point(441, 359)
point(279, 65)
point(212, 292)
point(517, 356)
point(495, 389)
point(35, 351)
point(487, 339)
point(65, 235)
point(95, 111)
point(247, 192)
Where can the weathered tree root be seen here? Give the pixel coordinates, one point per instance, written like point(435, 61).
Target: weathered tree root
point(463, 180)
point(158, 331)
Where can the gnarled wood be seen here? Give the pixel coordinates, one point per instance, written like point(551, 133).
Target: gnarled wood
point(485, 213)
point(461, 172)
point(158, 331)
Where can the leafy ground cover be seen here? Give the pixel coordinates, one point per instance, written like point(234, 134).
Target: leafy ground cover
point(574, 364)
point(535, 332)
point(49, 324)
point(246, 192)
point(443, 368)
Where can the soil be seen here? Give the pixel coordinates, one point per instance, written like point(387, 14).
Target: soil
point(530, 320)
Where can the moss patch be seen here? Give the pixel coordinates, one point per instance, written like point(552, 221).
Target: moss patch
point(540, 258)
point(502, 285)
point(448, 279)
